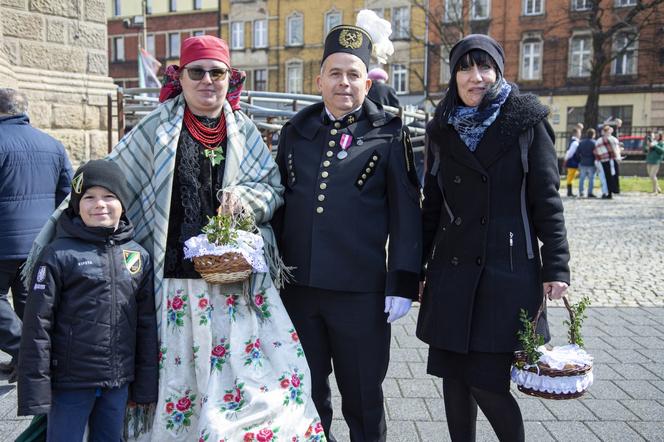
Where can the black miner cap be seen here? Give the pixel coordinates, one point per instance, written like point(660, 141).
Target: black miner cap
point(350, 39)
point(98, 173)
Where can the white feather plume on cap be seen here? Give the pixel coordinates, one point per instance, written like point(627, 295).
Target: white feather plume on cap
point(380, 30)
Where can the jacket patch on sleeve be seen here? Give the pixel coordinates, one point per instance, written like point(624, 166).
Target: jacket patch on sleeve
point(41, 274)
point(132, 261)
point(410, 162)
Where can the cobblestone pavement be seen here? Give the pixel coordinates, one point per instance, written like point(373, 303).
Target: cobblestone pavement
point(618, 261)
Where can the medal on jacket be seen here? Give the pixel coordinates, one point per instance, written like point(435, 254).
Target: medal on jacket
point(344, 143)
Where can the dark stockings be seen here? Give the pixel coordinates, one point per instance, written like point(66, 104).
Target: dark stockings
point(501, 409)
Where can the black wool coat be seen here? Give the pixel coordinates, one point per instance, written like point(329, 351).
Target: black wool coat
point(478, 273)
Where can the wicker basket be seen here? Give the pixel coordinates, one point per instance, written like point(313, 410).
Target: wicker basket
point(223, 269)
point(542, 369)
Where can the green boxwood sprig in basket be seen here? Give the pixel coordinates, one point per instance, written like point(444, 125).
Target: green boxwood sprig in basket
point(563, 372)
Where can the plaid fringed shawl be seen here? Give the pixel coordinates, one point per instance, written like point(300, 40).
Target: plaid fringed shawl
point(147, 157)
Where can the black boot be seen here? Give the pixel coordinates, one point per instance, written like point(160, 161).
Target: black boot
point(569, 191)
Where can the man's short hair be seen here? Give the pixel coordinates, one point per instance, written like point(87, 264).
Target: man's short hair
point(12, 102)
point(590, 133)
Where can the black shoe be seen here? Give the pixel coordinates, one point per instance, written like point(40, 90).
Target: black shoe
point(606, 197)
point(590, 195)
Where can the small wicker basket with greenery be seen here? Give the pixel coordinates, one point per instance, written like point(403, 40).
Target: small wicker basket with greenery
point(563, 372)
point(229, 248)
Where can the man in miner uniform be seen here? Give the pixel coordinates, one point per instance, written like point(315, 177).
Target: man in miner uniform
point(350, 184)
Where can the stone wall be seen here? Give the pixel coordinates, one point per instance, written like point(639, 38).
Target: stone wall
point(55, 52)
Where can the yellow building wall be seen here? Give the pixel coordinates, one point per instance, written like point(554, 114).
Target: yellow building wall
point(130, 8)
point(641, 105)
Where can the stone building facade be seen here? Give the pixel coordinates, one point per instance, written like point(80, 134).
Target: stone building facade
point(55, 52)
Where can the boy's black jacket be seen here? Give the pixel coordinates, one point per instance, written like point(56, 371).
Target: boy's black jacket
point(90, 317)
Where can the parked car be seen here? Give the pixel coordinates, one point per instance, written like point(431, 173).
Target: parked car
point(632, 143)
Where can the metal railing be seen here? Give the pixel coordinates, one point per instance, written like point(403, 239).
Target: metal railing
point(269, 111)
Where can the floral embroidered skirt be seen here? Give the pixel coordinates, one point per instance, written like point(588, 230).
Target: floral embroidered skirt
point(228, 372)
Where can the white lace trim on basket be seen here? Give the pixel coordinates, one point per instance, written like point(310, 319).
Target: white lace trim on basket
point(249, 245)
point(563, 384)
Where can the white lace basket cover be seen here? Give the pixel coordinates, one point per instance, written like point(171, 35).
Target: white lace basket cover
point(557, 358)
point(249, 245)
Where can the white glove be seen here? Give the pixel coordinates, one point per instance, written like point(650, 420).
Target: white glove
point(396, 306)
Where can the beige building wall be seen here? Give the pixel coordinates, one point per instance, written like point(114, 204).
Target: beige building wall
point(55, 52)
point(643, 107)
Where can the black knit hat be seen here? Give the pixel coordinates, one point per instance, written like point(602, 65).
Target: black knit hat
point(350, 39)
point(481, 42)
point(98, 173)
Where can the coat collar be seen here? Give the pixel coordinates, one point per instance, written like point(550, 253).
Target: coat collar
point(15, 119)
point(301, 121)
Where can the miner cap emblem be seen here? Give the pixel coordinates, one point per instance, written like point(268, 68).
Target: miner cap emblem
point(350, 38)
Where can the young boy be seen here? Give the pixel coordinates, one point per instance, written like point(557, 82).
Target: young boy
point(89, 338)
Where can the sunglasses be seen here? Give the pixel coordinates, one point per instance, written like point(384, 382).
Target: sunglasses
point(197, 74)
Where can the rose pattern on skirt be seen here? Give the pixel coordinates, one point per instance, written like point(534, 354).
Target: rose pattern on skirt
point(219, 355)
point(292, 383)
point(204, 309)
point(261, 301)
point(296, 340)
point(175, 307)
point(254, 353)
point(233, 399)
point(179, 411)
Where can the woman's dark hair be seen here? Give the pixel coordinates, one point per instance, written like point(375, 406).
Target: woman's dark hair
point(451, 100)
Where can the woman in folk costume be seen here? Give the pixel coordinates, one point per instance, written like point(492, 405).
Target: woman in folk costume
point(231, 365)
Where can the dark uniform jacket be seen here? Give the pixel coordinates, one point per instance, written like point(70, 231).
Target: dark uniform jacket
point(383, 94)
point(479, 274)
point(90, 317)
point(338, 213)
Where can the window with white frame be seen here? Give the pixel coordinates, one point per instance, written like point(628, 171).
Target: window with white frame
point(621, 3)
point(580, 5)
point(148, 7)
point(174, 45)
point(294, 77)
point(173, 5)
point(118, 53)
point(260, 80)
point(237, 35)
point(198, 4)
point(580, 56)
point(531, 58)
point(332, 19)
point(445, 74)
point(150, 45)
point(400, 78)
point(401, 22)
point(117, 7)
point(260, 33)
point(453, 11)
point(624, 63)
point(480, 9)
point(533, 7)
point(295, 30)
point(197, 33)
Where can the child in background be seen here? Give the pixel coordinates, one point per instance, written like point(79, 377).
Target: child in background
point(89, 340)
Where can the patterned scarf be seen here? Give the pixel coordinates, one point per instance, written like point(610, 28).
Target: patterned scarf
point(470, 122)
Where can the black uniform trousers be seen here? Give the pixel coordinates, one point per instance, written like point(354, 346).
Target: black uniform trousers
point(10, 318)
point(350, 330)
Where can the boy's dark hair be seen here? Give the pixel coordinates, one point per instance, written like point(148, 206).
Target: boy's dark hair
point(99, 173)
point(590, 133)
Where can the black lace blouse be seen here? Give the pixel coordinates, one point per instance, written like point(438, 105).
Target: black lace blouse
point(193, 199)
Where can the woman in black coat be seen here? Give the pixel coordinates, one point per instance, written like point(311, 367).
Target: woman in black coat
point(491, 192)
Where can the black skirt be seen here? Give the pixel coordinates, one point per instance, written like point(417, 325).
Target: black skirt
point(487, 371)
